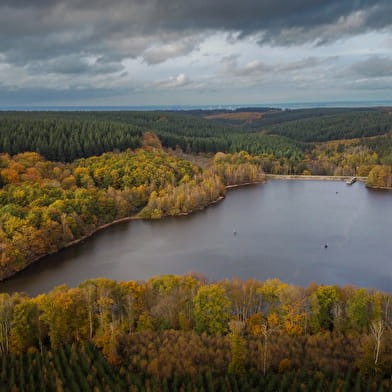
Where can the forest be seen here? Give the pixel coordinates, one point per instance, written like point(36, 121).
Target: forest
point(65, 175)
point(329, 141)
point(66, 136)
point(343, 126)
point(186, 333)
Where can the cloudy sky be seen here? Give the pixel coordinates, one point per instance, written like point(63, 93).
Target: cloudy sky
point(191, 52)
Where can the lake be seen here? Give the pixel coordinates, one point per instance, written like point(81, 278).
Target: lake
point(274, 230)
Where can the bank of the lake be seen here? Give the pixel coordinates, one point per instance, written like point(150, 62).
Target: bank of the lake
point(136, 216)
point(311, 177)
point(322, 178)
point(92, 232)
point(281, 228)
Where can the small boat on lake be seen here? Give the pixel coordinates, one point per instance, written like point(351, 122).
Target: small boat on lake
point(351, 180)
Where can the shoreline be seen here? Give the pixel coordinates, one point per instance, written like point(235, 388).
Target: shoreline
point(385, 188)
point(321, 178)
point(102, 227)
point(73, 243)
point(99, 228)
point(244, 184)
point(120, 220)
point(311, 177)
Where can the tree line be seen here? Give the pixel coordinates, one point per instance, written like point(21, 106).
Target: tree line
point(186, 327)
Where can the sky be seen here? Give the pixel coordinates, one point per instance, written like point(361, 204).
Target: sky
point(194, 52)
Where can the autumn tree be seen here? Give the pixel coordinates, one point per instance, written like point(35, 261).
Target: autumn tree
point(322, 301)
point(27, 330)
point(212, 309)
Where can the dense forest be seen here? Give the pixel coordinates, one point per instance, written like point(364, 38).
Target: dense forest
point(67, 136)
point(343, 126)
point(264, 119)
point(277, 137)
point(185, 333)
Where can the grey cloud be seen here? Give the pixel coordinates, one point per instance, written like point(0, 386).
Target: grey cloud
point(75, 64)
point(252, 69)
point(174, 82)
point(318, 34)
point(257, 70)
point(372, 85)
point(309, 62)
point(62, 64)
point(373, 67)
point(161, 53)
point(47, 96)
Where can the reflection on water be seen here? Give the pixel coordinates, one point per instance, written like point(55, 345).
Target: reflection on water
point(281, 228)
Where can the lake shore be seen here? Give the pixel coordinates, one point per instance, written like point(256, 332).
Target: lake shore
point(72, 243)
point(311, 177)
point(116, 221)
point(244, 184)
point(321, 178)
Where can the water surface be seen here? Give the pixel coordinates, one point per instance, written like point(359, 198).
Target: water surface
point(281, 229)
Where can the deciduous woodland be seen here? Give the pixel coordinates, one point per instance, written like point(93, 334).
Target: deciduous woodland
point(185, 333)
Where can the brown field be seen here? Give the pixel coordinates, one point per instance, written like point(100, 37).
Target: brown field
point(387, 109)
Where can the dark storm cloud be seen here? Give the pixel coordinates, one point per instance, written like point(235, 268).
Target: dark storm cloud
point(121, 29)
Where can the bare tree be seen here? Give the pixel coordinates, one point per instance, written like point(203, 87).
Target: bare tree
point(377, 329)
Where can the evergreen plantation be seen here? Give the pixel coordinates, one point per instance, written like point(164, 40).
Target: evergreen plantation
point(65, 136)
point(344, 126)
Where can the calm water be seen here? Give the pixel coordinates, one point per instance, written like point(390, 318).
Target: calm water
point(281, 227)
